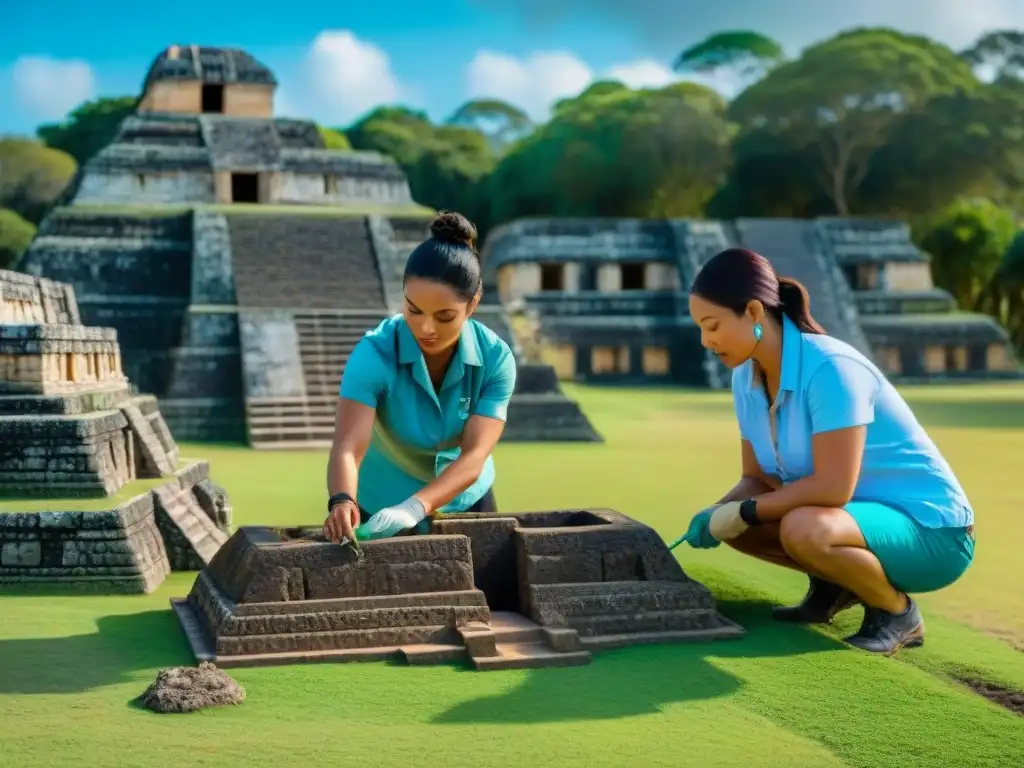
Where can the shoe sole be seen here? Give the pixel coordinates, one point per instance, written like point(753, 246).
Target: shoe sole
point(914, 641)
point(816, 619)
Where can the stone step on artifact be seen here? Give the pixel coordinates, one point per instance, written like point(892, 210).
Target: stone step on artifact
point(503, 591)
point(516, 642)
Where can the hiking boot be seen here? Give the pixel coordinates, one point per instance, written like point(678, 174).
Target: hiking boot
point(884, 632)
point(821, 603)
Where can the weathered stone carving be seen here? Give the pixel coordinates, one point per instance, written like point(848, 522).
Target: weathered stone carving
point(504, 591)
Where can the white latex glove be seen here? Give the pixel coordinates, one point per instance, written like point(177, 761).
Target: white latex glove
point(726, 522)
point(391, 520)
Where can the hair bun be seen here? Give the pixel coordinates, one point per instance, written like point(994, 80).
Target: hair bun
point(451, 227)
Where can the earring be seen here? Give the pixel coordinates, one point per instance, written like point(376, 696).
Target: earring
point(758, 331)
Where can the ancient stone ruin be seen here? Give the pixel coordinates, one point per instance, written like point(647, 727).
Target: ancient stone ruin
point(610, 295)
point(240, 261)
point(499, 590)
point(73, 430)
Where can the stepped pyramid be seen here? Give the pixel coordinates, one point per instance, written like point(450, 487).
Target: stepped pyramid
point(71, 427)
point(238, 259)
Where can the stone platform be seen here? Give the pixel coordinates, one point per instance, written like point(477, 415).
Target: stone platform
point(129, 548)
point(501, 591)
point(90, 445)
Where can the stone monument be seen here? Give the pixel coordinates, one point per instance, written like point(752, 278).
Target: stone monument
point(238, 259)
point(499, 590)
point(610, 295)
point(75, 438)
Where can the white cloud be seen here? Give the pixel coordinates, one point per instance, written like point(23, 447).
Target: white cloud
point(535, 82)
point(49, 88)
point(532, 84)
point(646, 73)
point(349, 76)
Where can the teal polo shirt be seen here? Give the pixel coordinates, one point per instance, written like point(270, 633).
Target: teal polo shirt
point(417, 430)
point(826, 385)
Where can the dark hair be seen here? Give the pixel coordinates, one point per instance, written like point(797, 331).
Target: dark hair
point(448, 256)
point(735, 277)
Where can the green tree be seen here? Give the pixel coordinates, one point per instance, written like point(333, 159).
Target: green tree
point(32, 177)
point(967, 242)
point(769, 177)
point(333, 139)
point(1010, 282)
point(15, 236)
point(841, 97)
point(647, 153)
point(963, 143)
point(500, 122)
point(444, 163)
point(749, 54)
point(1001, 52)
point(88, 128)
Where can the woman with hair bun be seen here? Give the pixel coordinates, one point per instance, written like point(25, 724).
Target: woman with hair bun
point(839, 480)
point(423, 400)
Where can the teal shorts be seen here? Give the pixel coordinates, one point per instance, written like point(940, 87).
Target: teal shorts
point(915, 558)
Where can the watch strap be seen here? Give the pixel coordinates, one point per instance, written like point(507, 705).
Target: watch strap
point(337, 499)
point(748, 512)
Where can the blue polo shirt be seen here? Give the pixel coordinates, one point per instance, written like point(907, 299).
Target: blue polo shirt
point(417, 431)
point(827, 384)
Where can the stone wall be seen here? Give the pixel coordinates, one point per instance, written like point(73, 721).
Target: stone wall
point(129, 548)
point(270, 347)
point(54, 359)
point(29, 300)
point(94, 453)
point(333, 189)
point(146, 188)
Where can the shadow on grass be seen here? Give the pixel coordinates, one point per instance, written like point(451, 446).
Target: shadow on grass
point(641, 679)
point(979, 414)
point(121, 646)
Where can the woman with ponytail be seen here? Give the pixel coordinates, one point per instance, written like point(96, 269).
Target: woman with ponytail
point(839, 480)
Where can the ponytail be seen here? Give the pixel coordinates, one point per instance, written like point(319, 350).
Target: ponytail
point(795, 303)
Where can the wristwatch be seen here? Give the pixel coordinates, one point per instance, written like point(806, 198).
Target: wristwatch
point(337, 499)
point(748, 512)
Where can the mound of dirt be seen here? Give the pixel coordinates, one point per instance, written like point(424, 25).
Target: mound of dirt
point(186, 689)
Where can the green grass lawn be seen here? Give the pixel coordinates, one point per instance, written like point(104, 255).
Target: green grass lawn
point(782, 696)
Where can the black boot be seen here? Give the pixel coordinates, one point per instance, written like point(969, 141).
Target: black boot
point(884, 632)
point(821, 603)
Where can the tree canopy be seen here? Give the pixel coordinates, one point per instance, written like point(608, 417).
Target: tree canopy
point(15, 236)
point(87, 128)
point(840, 98)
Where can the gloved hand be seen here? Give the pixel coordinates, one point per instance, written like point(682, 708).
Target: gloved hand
point(698, 534)
point(726, 522)
point(391, 520)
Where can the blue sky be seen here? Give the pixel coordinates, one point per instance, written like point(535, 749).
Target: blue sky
point(336, 60)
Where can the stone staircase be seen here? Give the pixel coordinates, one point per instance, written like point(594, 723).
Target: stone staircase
point(696, 243)
point(320, 279)
point(326, 338)
point(795, 249)
point(304, 262)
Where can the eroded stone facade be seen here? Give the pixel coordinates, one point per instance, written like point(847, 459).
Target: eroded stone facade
point(610, 296)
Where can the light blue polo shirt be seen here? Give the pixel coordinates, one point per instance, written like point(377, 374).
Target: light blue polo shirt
point(827, 384)
point(417, 430)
